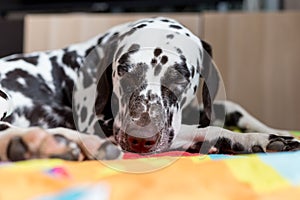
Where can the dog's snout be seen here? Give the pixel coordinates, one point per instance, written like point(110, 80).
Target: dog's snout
point(142, 145)
point(144, 119)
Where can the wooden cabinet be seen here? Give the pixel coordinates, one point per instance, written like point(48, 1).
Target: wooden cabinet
point(258, 56)
point(43, 32)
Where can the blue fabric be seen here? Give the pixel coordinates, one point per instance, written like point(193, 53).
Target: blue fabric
point(285, 163)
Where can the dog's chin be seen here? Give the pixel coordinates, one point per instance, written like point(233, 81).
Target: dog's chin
point(126, 149)
point(151, 152)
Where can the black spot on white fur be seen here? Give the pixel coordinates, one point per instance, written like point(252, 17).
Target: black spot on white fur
point(3, 95)
point(175, 26)
point(29, 59)
point(153, 61)
point(178, 50)
point(164, 60)
point(34, 87)
point(157, 52)
point(170, 36)
point(193, 71)
point(232, 119)
point(70, 58)
point(83, 114)
point(4, 115)
point(99, 42)
point(3, 127)
point(195, 89)
point(165, 20)
point(89, 50)
point(141, 25)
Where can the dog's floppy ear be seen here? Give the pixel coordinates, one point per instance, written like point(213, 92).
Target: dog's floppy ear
point(97, 71)
point(104, 74)
point(207, 47)
point(104, 90)
point(92, 91)
point(210, 72)
point(210, 88)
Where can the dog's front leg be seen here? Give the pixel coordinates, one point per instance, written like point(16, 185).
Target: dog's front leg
point(30, 143)
point(218, 140)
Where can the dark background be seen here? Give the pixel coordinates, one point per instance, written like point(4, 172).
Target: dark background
point(11, 36)
point(114, 5)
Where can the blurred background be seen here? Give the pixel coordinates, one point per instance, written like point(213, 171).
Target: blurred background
point(255, 42)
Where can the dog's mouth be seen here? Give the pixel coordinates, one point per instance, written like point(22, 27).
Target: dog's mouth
point(142, 145)
point(155, 143)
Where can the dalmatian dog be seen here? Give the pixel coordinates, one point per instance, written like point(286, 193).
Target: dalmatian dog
point(132, 89)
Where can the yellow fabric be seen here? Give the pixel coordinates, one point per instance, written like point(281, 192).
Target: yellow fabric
point(260, 176)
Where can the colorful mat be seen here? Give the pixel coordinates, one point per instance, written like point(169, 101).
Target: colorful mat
point(260, 176)
point(172, 175)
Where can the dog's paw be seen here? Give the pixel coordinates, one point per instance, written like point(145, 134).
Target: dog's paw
point(257, 143)
point(32, 143)
point(282, 143)
point(92, 147)
point(51, 146)
point(236, 143)
point(108, 151)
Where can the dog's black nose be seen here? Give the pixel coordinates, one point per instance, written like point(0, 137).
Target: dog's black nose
point(142, 145)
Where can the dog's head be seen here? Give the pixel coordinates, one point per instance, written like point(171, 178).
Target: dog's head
point(151, 86)
point(153, 74)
